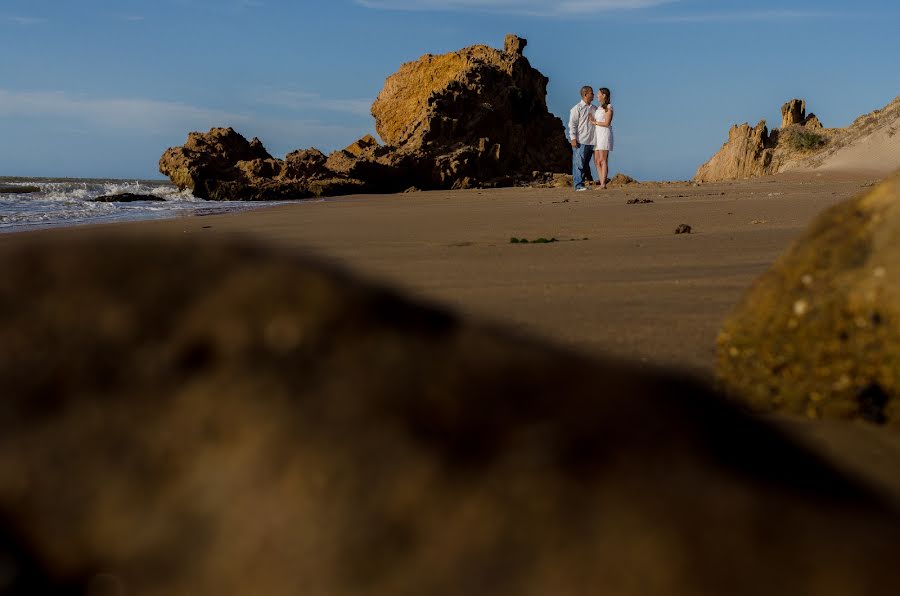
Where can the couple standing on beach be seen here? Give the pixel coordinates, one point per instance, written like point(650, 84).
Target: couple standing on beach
point(590, 130)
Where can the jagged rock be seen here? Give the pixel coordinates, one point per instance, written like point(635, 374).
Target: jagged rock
point(515, 45)
point(476, 117)
point(793, 112)
point(361, 146)
point(747, 153)
point(812, 121)
point(187, 417)
point(305, 163)
point(209, 157)
point(481, 102)
point(819, 333)
point(683, 229)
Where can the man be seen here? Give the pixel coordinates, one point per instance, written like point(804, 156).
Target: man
point(581, 133)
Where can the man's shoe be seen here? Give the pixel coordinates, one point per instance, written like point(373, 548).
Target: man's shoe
point(580, 189)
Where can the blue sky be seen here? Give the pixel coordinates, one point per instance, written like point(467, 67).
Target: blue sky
point(100, 88)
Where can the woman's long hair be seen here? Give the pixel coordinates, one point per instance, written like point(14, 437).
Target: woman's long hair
point(606, 97)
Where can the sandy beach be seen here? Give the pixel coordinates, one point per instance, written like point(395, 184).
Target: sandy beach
point(618, 280)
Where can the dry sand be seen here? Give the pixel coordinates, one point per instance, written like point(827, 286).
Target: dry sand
point(617, 281)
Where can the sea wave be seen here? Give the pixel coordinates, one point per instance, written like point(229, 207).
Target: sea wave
point(49, 202)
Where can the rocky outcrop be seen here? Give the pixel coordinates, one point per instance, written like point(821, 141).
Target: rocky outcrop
point(803, 143)
point(196, 417)
point(819, 334)
point(748, 153)
point(473, 118)
point(754, 151)
point(482, 109)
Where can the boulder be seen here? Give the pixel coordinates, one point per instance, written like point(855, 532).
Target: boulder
point(621, 179)
point(208, 417)
point(209, 157)
point(487, 104)
point(818, 335)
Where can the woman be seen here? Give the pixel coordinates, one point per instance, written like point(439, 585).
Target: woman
point(603, 141)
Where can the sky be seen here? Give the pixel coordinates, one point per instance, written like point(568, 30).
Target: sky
point(101, 88)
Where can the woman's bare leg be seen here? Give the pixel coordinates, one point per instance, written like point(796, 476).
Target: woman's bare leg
point(597, 164)
point(602, 166)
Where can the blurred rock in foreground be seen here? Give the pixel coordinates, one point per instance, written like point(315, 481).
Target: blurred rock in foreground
point(819, 333)
point(203, 418)
point(477, 117)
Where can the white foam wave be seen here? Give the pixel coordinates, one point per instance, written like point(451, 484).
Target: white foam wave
point(70, 202)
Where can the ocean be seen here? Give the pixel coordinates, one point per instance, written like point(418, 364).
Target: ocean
point(54, 202)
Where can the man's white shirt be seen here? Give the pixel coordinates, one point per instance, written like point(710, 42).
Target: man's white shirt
point(580, 127)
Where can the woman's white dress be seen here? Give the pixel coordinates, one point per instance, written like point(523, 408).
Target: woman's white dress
point(604, 135)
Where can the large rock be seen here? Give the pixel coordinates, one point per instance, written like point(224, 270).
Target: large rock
point(207, 158)
point(201, 418)
point(477, 117)
point(819, 334)
point(490, 102)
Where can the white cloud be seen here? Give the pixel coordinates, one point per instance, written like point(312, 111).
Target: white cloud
point(762, 15)
point(146, 115)
point(54, 111)
point(520, 7)
point(17, 20)
point(302, 100)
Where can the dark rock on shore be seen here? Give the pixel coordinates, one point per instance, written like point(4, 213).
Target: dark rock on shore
point(126, 197)
point(474, 118)
point(8, 189)
point(187, 417)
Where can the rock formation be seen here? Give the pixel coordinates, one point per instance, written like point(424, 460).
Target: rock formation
point(819, 334)
point(802, 143)
point(186, 417)
point(484, 107)
point(476, 117)
point(747, 153)
point(754, 151)
point(794, 113)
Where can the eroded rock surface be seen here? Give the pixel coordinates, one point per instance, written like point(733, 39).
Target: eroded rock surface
point(801, 143)
point(206, 418)
point(819, 333)
point(473, 118)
